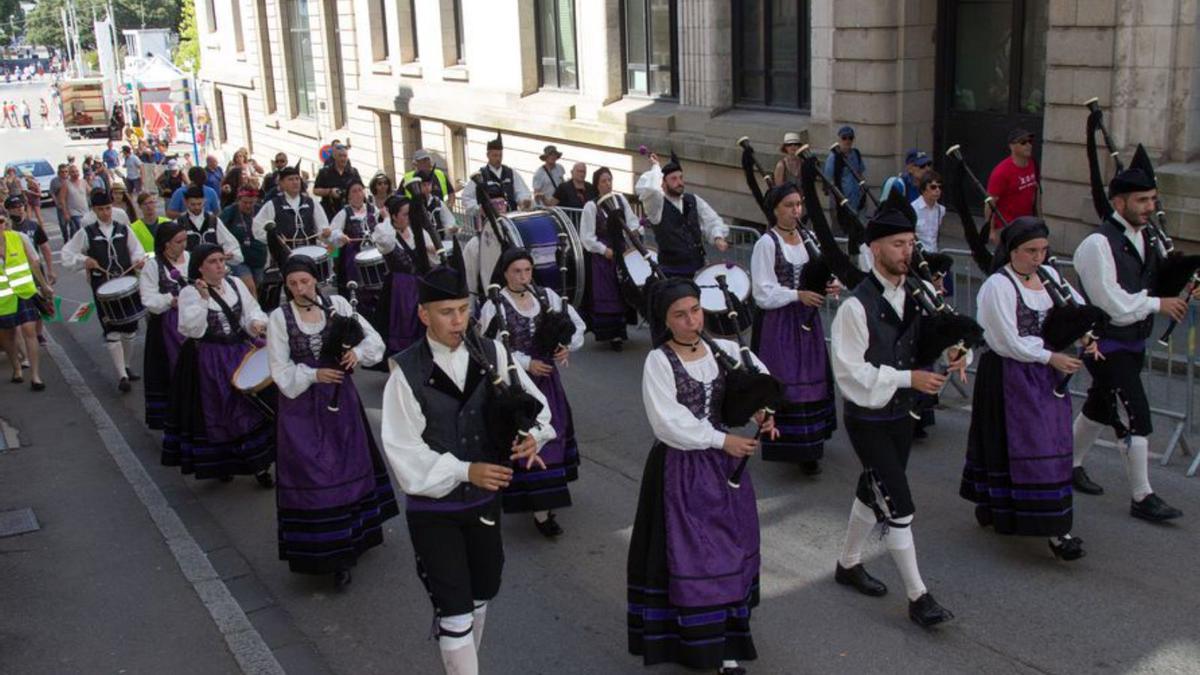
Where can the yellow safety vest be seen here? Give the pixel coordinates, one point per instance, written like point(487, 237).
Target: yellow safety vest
point(437, 174)
point(16, 279)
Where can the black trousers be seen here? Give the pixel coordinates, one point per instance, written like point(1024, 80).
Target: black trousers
point(883, 447)
point(459, 559)
point(1117, 380)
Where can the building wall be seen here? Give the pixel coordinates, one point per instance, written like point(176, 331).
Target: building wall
point(873, 66)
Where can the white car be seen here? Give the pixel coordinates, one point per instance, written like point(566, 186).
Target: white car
point(40, 169)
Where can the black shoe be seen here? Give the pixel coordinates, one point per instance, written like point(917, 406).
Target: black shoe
point(616, 345)
point(858, 578)
point(341, 579)
point(124, 385)
point(37, 386)
point(17, 379)
point(1083, 483)
point(264, 479)
point(133, 377)
point(926, 612)
point(919, 434)
point(811, 468)
point(548, 527)
point(983, 515)
point(736, 670)
point(1154, 509)
point(1068, 549)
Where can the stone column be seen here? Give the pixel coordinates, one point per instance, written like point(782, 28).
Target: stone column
point(705, 54)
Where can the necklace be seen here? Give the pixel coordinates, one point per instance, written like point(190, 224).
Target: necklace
point(1024, 277)
point(694, 346)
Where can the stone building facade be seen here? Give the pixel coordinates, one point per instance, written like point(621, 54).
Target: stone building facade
point(391, 76)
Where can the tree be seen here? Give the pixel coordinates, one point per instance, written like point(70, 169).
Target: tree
point(44, 24)
point(187, 56)
point(12, 18)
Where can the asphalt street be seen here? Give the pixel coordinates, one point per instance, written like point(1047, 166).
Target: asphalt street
point(96, 589)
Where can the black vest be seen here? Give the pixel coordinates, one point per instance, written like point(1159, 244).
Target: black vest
point(680, 241)
point(207, 233)
point(454, 420)
point(506, 183)
point(1133, 276)
point(892, 342)
point(98, 250)
point(295, 229)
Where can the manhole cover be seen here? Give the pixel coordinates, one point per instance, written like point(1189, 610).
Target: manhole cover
point(18, 521)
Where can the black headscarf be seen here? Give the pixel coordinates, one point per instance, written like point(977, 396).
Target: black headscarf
point(299, 263)
point(198, 256)
point(507, 258)
point(163, 236)
point(663, 294)
point(1019, 231)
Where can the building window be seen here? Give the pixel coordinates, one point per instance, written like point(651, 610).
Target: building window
point(265, 58)
point(410, 49)
point(334, 66)
point(556, 44)
point(459, 51)
point(377, 18)
point(239, 40)
point(221, 119)
point(651, 47)
point(210, 14)
point(303, 81)
point(771, 53)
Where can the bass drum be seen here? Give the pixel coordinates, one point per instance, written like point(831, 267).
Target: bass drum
point(543, 233)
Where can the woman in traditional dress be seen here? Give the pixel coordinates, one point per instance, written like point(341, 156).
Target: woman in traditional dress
point(396, 311)
point(789, 338)
point(522, 311)
point(159, 283)
point(213, 430)
point(606, 311)
point(351, 229)
point(1019, 448)
point(693, 557)
point(333, 490)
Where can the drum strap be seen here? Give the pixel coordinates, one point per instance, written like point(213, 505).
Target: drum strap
point(234, 324)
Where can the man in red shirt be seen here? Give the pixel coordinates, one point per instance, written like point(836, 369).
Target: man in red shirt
point(1013, 183)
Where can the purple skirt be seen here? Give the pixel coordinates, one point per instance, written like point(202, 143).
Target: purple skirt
point(213, 430)
point(347, 271)
point(403, 326)
point(799, 359)
point(541, 489)
point(163, 342)
point(693, 561)
point(1019, 449)
point(606, 308)
point(332, 490)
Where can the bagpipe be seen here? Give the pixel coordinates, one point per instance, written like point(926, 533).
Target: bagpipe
point(942, 329)
point(976, 239)
point(751, 169)
point(633, 292)
point(832, 263)
point(1178, 274)
point(747, 389)
point(345, 333)
point(512, 412)
point(1068, 321)
point(553, 328)
point(840, 159)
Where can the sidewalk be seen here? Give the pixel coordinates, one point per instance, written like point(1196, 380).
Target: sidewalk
point(96, 589)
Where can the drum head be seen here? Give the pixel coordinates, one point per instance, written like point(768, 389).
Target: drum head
point(317, 253)
point(254, 374)
point(117, 287)
point(369, 256)
point(639, 269)
point(711, 298)
point(543, 233)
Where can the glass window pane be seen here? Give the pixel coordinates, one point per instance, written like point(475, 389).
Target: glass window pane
point(752, 87)
point(981, 68)
point(1033, 63)
point(547, 45)
point(661, 55)
point(785, 29)
point(568, 76)
point(303, 78)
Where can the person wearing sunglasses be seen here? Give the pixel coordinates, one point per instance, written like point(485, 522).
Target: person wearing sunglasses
point(1014, 183)
point(930, 211)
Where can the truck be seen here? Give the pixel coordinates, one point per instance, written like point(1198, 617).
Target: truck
point(84, 107)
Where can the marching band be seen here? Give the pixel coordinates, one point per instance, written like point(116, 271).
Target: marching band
point(475, 326)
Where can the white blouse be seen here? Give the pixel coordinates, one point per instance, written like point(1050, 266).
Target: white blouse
point(997, 302)
point(587, 226)
point(155, 302)
point(1098, 276)
point(488, 311)
point(193, 309)
point(337, 226)
point(671, 422)
point(294, 378)
point(768, 292)
point(385, 239)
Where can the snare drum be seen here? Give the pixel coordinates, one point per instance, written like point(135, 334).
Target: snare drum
point(538, 232)
point(712, 300)
point(319, 255)
point(253, 377)
point(372, 268)
point(119, 301)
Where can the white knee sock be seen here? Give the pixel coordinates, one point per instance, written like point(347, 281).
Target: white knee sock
point(541, 516)
point(117, 353)
point(862, 521)
point(127, 349)
point(1137, 466)
point(480, 617)
point(456, 645)
point(899, 541)
point(1085, 433)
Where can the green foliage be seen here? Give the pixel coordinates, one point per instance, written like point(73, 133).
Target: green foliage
point(12, 20)
point(187, 56)
point(44, 24)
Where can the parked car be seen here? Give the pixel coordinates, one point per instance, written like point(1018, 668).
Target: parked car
point(40, 169)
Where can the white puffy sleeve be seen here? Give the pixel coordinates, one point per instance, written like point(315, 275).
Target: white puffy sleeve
point(193, 313)
point(768, 292)
point(290, 377)
point(863, 383)
point(154, 302)
point(587, 230)
point(419, 469)
point(1098, 276)
point(671, 422)
point(649, 192)
point(997, 302)
point(251, 311)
